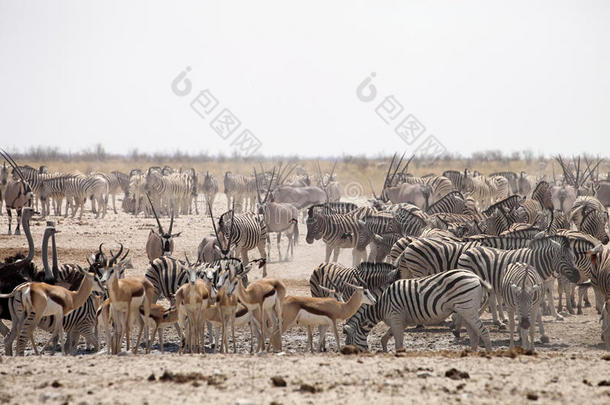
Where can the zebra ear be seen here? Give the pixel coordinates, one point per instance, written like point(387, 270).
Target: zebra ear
point(348, 330)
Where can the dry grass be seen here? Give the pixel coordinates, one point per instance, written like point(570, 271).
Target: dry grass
point(350, 169)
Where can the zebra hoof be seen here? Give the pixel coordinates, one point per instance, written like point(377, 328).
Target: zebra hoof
point(587, 304)
point(579, 312)
point(544, 339)
point(559, 318)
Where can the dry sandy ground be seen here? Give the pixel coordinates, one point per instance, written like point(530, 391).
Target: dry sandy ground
point(569, 368)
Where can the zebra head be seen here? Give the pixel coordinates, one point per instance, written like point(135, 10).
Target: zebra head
point(560, 254)
point(594, 223)
point(526, 293)
point(315, 224)
point(356, 333)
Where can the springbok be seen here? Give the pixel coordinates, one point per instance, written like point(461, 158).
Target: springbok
point(161, 243)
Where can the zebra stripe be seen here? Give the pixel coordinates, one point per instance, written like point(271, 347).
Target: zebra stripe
point(428, 300)
point(548, 255)
point(522, 292)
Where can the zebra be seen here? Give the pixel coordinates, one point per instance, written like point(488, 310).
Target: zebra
point(424, 301)
point(167, 274)
point(591, 217)
point(412, 220)
point(398, 247)
point(163, 192)
point(453, 202)
point(80, 322)
point(79, 187)
point(511, 177)
point(426, 256)
point(549, 255)
point(539, 201)
point(521, 289)
point(457, 178)
point(333, 276)
point(117, 182)
point(240, 189)
point(480, 189)
point(54, 188)
point(339, 207)
point(507, 204)
point(372, 276)
point(600, 260)
point(581, 244)
point(210, 189)
point(246, 231)
point(339, 231)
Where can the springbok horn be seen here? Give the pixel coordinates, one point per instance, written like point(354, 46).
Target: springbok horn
point(155, 213)
point(114, 257)
point(125, 255)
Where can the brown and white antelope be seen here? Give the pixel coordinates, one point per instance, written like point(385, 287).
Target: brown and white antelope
point(322, 311)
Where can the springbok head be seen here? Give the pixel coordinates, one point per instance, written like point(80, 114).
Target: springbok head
point(166, 237)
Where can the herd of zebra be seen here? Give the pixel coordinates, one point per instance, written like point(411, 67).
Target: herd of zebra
point(425, 249)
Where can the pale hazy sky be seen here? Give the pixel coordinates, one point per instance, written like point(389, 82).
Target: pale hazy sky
point(478, 75)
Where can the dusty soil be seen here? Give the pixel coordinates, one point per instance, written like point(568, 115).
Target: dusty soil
point(569, 368)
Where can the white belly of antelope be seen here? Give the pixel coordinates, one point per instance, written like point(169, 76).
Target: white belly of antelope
point(305, 318)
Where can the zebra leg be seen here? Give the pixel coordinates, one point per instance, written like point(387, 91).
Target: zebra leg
point(385, 338)
point(586, 296)
point(511, 327)
point(397, 326)
point(492, 308)
point(570, 292)
point(549, 290)
point(326, 254)
point(537, 315)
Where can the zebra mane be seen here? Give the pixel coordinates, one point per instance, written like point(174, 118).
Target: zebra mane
point(366, 267)
point(509, 202)
point(546, 241)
